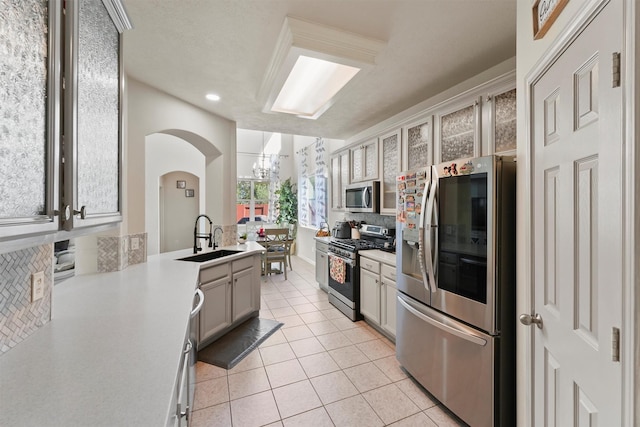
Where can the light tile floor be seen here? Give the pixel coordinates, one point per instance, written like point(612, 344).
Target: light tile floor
point(320, 369)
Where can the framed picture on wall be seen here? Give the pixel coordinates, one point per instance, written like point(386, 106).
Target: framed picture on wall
point(190, 192)
point(181, 184)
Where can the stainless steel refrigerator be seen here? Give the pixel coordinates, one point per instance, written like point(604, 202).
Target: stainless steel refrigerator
point(456, 285)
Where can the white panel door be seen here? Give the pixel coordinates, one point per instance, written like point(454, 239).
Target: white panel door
point(577, 217)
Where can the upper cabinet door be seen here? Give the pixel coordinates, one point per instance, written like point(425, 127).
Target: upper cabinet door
point(418, 144)
point(390, 164)
point(502, 122)
point(30, 33)
point(458, 131)
point(364, 161)
point(93, 103)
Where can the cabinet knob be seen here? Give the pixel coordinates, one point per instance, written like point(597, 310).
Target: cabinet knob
point(82, 212)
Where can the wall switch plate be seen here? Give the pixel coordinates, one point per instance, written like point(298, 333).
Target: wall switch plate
point(37, 286)
point(135, 243)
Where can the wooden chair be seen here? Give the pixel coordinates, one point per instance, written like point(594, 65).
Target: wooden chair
point(278, 248)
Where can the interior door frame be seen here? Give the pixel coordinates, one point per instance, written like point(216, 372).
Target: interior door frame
point(630, 356)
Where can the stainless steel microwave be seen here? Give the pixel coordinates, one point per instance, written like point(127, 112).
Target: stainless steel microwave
point(363, 197)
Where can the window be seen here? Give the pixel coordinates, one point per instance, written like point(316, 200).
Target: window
point(252, 200)
point(312, 191)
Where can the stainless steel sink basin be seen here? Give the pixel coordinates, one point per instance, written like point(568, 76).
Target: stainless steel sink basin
point(208, 256)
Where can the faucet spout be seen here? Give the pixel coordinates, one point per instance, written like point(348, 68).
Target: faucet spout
point(197, 236)
point(215, 245)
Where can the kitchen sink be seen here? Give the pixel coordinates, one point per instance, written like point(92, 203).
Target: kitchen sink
point(208, 256)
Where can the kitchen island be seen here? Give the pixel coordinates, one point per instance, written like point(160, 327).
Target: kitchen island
point(111, 353)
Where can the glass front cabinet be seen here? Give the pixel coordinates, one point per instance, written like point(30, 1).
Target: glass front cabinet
point(364, 161)
point(60, 145)
point(458, 131)
point(499, 114)
point(340, 168)
point(390, 167)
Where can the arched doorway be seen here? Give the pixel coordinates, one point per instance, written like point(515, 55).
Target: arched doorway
point(178, 207)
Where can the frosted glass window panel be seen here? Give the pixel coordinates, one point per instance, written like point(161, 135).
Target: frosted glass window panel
point(23, 112)
point(98, 105)
point(505, 121)
point(419, 146)
point(457, 134)
point(344, 178)
point(371, 160)
point(390, 158)
point(336, 187)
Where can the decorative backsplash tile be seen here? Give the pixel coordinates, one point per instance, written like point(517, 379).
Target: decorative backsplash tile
point(19, 317)
point(229, 235)
point(118, 252)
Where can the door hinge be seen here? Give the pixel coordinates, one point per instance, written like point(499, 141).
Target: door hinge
point(616, 69)
point(615, 344)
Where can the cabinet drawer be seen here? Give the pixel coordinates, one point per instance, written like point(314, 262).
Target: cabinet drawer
point(242, 264)
point(369, 264)
point(213, 273)
point(388, 272)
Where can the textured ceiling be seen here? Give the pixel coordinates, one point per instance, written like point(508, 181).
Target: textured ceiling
point(190, 47)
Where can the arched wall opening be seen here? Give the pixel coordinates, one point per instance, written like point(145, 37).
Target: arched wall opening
point(169, 159)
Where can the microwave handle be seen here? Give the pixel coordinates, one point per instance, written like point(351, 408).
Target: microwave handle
point(431, 226)
point(365, 201)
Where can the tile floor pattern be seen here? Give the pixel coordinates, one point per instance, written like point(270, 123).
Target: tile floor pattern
point(320, 369)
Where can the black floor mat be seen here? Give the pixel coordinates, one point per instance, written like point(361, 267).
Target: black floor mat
point(228, 350)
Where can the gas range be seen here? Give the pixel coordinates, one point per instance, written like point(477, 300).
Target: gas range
point(372, 237)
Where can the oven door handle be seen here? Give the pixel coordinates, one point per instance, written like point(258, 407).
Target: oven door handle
point(346, 260)
point(447, 328)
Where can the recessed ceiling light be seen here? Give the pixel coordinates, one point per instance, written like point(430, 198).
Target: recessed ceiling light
point(213, 97)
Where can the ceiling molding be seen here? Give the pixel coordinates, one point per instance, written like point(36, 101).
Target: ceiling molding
point(299, 37)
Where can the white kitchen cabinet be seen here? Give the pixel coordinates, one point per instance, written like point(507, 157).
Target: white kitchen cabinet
point(388, 299)
point(231, 295)
point(215, 315)
point(364, 161)
point(417, 144)
point(370, 289)
point(499, 120)
point(458, 130)
point(378, 294)
point(63, 164)
point(340, 172)
point(390, 167)
point(322, 265)
point(243, 294)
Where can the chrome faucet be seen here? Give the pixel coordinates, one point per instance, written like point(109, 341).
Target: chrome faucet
point(196, 235)
point(215, 245)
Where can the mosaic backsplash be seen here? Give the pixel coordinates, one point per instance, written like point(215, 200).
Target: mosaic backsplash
point(19, 317)
point(98, 97)
point(23, 78)
point(116, 253)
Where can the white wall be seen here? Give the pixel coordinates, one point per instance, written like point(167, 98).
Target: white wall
point(151, 111)
point(165, 154)
point(178, 211)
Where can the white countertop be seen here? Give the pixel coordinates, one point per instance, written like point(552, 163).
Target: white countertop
point(378, 255)
point(111, 353)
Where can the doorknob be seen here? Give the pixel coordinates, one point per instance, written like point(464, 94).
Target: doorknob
point(527, 319)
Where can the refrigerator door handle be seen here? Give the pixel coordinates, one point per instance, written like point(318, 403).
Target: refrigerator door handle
point(421, 252)
point(432, 251)
point(449, 329)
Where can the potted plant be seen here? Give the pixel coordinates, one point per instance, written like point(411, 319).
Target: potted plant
point(287, 206)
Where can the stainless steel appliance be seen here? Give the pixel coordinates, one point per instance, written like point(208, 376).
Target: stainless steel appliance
point(344, 285)
point(456, 283)
point(342, 230)
point(363, 197)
